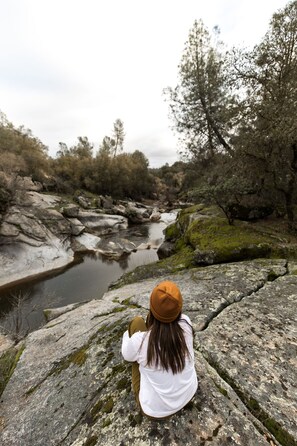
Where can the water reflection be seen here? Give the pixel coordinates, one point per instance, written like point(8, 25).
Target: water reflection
point(87, 279)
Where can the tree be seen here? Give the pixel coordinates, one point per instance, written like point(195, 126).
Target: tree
point(107, 146)
point(84, 149)
point(74, 166)
point(118, 136)
point(30, 153)
point(243, 107)
point(269, 133)
point(63, 150)
point(202, 105)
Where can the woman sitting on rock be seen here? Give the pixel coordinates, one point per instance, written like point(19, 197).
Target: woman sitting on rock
point(164, 379)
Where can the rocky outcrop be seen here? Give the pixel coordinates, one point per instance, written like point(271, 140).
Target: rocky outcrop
point(134, 211)
point(137, 214)
point(102, 223)
point(204, 236)
point(71, 387)
point(42, 232)
point(115, 249)
point(253, 346)
point(29, 246)
point(166, 249)
point(155, 215)
point(26, 183)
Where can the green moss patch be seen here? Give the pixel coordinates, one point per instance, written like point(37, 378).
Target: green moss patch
point(79, 358)
point(8, 362)
point(216, 234)
point(102, 406)
point(135, 420)
point(207, 232)
point(106, 423)
point(123, 383)
point(118, 309)
point(282, 436)
point(91, 441)
point(172, 232)
point(95, 411)
point(108, 405)
point(222, 390)
point(119, 368)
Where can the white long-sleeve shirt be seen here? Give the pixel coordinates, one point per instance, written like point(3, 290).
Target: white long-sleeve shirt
point(162, 393)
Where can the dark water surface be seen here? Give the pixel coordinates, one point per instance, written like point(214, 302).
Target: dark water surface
point(21, 306)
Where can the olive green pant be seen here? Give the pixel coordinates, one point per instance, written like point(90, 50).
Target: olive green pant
point(137, 324)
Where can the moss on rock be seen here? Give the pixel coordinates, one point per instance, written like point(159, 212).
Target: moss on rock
point(216, 233)
point(8, 362)
point(78, 357)
point(172, 232)
point(91, 441)
point(213, 240)
point(203, 236)
point(184, 258)
point(108, 405)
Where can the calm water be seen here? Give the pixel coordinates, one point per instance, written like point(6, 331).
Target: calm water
point(87, 279)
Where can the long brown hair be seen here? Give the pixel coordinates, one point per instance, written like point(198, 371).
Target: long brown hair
point(166, 346)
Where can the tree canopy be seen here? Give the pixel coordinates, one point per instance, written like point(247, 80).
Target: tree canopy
point(237, 109)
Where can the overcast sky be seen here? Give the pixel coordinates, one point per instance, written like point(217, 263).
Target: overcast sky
point(70, 68)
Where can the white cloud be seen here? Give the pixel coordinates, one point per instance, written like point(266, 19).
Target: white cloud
point(70, 68)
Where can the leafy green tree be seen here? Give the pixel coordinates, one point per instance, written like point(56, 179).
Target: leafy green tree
point(142, 180)
point(29, 152)
point(240, 111)
point(107, 146)
point(63, 150)
point(74, 166)
point(269, 131)
point(84, 149)
point(203, 107)
point(118, 136)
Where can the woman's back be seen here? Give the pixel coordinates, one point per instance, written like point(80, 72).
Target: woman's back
point(162, 392)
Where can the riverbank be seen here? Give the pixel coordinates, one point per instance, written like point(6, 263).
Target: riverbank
point(42, 233)
point(87, 278)
point(201, 236)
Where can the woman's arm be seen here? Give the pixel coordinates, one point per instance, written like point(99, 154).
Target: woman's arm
point(131, 346)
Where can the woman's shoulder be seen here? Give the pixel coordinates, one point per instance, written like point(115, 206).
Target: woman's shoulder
point(139, 336)
point(186, 324)
point(185, 318)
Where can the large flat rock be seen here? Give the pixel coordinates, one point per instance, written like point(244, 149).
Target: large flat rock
point(71, 386)
point(254, 346)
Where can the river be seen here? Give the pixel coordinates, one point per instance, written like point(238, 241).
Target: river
point(21, 306)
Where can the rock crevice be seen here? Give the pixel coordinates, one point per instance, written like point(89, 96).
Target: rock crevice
point(271, 276)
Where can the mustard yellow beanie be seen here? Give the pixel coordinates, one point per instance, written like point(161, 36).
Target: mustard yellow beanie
point(166, 301)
